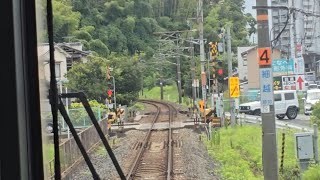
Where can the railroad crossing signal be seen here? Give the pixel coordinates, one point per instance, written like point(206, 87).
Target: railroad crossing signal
point(120, 112)
point(109, 92)
point(213, 49)
point(234, 87)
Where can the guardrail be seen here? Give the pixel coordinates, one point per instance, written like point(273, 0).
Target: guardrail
point(279, 124)
point(70, 155)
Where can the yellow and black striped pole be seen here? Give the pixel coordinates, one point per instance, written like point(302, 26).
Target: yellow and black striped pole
point(213, 46)
point(282, 151)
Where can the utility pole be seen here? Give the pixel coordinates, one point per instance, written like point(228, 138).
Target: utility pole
point(202, 57)
point(299, 24)
point(231, 101)
point(193, 75)
point(179, 72)
point(292, 34)
point(269, 138)
point(179, 79)
point(161, 82)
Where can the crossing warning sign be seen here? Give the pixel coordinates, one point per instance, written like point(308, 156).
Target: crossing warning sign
point(201, 105)
point(234, 87)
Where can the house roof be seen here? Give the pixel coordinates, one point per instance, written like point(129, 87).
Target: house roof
point(248, 50)
point(253, 48)
point(65, 48)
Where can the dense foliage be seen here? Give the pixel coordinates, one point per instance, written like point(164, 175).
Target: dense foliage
point(120, 29)
point(315, 118)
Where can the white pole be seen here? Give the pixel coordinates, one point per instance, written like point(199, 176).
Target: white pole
point(114, 93)
point(60, 87)
point(316, 153)
point(292, 34)
point(67, 108)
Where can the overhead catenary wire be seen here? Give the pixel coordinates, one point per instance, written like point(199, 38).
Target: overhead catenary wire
point(290, 10)
point(276, 39)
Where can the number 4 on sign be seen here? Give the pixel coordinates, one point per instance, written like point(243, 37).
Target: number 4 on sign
point(264, 56)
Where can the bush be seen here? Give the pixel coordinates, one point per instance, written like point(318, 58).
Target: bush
point(313, 173)
point(315, 118)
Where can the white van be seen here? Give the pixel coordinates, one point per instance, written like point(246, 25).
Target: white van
point(312, 97)
point(285, 104)
point(312, 86)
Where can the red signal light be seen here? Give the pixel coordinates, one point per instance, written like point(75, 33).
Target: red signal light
point(220, 72)
point(109, 92)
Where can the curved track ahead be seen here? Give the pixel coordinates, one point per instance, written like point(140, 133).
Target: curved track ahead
point(154, 159)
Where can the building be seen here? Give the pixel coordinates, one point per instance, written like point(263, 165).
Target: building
point(305, 30)
point(243, 68)
point(65, 54)
point(249, 67)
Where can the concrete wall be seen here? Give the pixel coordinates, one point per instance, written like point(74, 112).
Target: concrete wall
point(61, 59)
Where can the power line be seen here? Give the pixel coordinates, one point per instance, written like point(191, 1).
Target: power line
point(290, 11)
point(276, 39)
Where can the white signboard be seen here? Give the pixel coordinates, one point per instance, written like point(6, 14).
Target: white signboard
point(294, 82)
point(289, 82)
point(310, 76)
point(266, 86)
point(298, 66)
point(265, 109)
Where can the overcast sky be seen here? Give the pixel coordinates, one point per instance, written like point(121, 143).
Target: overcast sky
point(248, 9)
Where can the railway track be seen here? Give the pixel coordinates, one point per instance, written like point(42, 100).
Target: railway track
point(154, 159)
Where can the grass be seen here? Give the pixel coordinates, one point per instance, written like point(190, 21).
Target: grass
point(48, 151)
point(238, 151)
point(301, 104)
point(170, 93)
point(100, 150)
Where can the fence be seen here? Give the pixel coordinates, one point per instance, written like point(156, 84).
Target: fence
point(80, 118)
point(70, 155)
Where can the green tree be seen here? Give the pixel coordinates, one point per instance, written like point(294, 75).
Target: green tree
point(83, 35)
point(113, 10)
point(99, 47)
point(65, 21)
point(89, 78)
point(228, 12)
point(315, 117)
point(115, 39)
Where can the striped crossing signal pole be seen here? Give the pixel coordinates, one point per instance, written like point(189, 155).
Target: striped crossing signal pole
point(213, 47)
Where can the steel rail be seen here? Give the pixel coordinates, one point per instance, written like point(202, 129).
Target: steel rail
point(172, 111)
point(145, 142)
point(170, 158)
